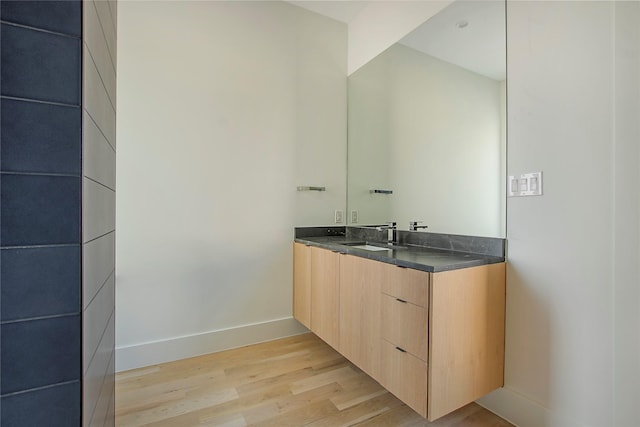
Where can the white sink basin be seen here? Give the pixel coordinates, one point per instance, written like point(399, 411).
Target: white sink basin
point(370, 248)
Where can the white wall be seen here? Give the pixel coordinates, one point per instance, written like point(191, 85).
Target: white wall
point(431, 132)
point(382, 23)
point(446, 146)
point(368, 137)
point(626, 233)
point(223, 109)
point(572, 284)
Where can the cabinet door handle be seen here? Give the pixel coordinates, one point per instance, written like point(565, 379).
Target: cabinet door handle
point(401, 300)
point(401, 349)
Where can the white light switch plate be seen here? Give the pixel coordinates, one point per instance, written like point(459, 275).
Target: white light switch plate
point(527, 184)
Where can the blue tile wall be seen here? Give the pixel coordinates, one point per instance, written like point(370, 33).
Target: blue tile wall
point(39, 210)
point(38, 137)
point(37, 353)
point(57, 406)
point(58, 16)
point(40, 219)
point(39, 65)
point(40, 281)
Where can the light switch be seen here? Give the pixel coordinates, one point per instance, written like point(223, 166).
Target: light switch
point(514, 184)
point(524, 186)
point(527, 184)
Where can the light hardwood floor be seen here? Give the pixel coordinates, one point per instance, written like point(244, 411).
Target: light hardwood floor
point(296, 381)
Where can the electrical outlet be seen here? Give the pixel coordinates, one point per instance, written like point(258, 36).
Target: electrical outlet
point(339, 217)
point(354, 217)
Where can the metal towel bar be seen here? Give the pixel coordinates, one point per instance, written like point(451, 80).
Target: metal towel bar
point(309, 188)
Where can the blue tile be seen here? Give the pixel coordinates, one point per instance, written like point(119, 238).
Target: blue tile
point(59, 16)
point(39, 65)
point(39, 210)
point(37, 353)
point(40, 137)
point(36, 282)
point(57, 406)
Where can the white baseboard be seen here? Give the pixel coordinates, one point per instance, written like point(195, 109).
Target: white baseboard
point(521, 411)
point(152, 353)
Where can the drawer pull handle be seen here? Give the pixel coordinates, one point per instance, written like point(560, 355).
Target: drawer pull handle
point(401, 349)
point(401, 300)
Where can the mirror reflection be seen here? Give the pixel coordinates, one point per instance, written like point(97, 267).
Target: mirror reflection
point(427, 126)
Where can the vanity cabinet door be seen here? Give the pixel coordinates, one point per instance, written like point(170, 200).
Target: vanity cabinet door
point(405, 325)
point(405, 376)
point(302, 284)
point(360, 312)
point(325, 295)
point(407, 284)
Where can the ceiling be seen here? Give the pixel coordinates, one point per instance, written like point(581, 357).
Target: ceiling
point(480, 46)
point(340, 10)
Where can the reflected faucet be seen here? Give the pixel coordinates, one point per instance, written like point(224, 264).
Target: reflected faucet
point(413, 225)
point(391, 232)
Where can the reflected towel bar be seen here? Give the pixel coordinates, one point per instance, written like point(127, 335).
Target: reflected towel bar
point(308, 188)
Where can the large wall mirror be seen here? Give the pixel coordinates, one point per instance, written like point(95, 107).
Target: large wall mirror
point(427, 126)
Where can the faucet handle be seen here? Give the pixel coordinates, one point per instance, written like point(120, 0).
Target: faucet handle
point(392, 224)
point(413, 225)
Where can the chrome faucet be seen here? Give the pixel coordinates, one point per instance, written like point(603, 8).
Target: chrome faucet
point(413, 225)
point(391, 232)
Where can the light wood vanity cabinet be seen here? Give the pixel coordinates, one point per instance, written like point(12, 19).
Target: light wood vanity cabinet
point(466, 336)
point(360, 318)
point(302, 284)
point(404, 325)
point(325, 295)
point(316, 291)
point(435, 340)
point(407, 284)
point(405, 376)
point(405, 302)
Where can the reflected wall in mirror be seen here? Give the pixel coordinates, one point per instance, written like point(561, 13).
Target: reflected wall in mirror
point(427, 121)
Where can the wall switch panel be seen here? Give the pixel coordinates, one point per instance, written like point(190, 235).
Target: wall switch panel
point(339, 217)
point(354, 217)
point(527, 184)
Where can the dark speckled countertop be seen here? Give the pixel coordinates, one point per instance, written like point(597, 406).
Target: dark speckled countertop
point(411, 256)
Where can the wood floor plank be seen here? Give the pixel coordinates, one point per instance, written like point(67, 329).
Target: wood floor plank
point(322, 379)
point(359, 413)
point(191, 402)
point(356, 390)
point(296, 381)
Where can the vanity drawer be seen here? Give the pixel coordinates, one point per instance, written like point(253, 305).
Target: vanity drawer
point(405, 325)
point(407, 284)
point(405, 376)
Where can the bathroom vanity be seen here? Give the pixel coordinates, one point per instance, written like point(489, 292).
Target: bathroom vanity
point(426, 323)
